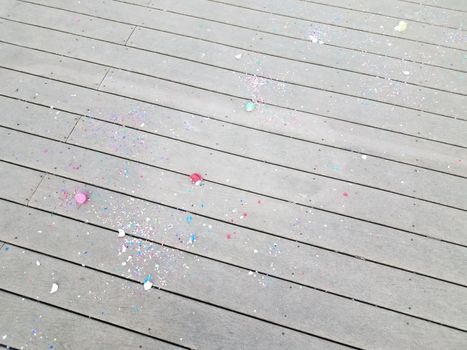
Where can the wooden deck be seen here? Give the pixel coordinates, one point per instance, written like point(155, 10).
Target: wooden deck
point(331, 216)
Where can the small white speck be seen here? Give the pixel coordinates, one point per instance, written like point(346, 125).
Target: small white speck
point(364, 156)
point(147, 285)
point(121, 233)
point(38, 263)
point(54, 288)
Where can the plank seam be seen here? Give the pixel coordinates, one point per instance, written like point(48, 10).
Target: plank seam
point(90, 317)
point(320, 22)
point(131, 34)
point(132, 280)
point(233, 46)
point(244, 314)
point(43, 175)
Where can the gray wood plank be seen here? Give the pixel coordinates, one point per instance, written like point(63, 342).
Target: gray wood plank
point(266, 43)
point(455, 5)
point(300, 72)
point(350, 20)
point(53, 66)
point(99, 135)
point(403, 10)
point(236, 83)
point(345, 199)
point(442, 261)
point(438, 268)
point(163, 92)
point(37, 119)
point(350, 277)
point(18, 183)
point(95, 27)
point(354, 97)
point(238, 171)
point(294, 221)
point(244, 293)
point(32, 325)
point(155, 312)
point(214, 133)
point(422, 75)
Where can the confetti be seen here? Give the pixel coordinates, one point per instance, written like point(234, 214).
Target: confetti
point(38, 263)
point(54, 288)
point(401, 27)
point(148, 283)
point(249, 106)
point(239, 56)
point(121, 233)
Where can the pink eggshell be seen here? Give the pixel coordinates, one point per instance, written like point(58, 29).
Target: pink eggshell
point(196, 178)
point(81, 198)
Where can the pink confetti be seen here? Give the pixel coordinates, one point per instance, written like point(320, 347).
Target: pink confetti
point(196, 178)
point(81, 198)
point(345, 194)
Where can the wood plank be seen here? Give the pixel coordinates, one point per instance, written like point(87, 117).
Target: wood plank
point(238, 171)
point(347, 200)
point(18, 183)
point(342, 18)
point(34, 325)
point(300, 72)
point(419, 265)
point(266, 43)
point(351, 278)
point(403, 10)
point(259, 298)
point(295, 221)
point(422, 75)
point(445, 4)
point(162, 92)
point(158, 313)
point(95, 27)
point(442, 262)
point(214, 133)
point(37, 119)
point(361, 100)
point(287, 153)
point(53, 66)
point(233, 83)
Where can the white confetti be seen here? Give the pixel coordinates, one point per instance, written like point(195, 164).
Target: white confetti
point(401, 27)
point(4, 337)
point(239, 56)
point(54, 288)
point(364, 156)
point(121, 233)
point(147, 285)
point(38, 263)
point(405, 72)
